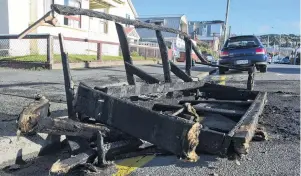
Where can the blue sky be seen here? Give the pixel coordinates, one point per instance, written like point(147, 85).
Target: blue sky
point(245, 16)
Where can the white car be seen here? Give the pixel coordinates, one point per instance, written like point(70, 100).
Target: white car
point(210, 58)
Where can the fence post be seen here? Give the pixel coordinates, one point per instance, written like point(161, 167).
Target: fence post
point(145, 52)
point(50, 51)
point(99, 49)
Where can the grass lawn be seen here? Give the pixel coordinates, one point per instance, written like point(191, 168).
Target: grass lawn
point(72, 58)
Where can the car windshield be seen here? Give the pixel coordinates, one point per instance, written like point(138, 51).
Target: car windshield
point(241, 42)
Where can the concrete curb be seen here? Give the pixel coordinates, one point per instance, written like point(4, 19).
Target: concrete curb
point(32, 65)
point(101, 64)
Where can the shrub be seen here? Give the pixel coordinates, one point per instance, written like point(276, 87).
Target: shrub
point(134, 53)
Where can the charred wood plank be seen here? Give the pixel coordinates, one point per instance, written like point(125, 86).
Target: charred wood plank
point(31, 114)
point(69, 85)
point(188, 56)
point(173, 134)
point(67, 10)
point(179, 73)
point(246, 127)
point(233, 102)
point(221, 92)
point(128, 90)
point(47, 18)
point(66, 126)
point(64, 166)
point(164, 56)
point(108, 150)
point(199, 109)
point(125, 52)
point(200, 56)
point(141, 74)
point(214, 142)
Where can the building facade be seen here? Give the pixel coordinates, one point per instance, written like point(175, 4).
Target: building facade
point(17, 15)
point(176, 22)
point(207, 31)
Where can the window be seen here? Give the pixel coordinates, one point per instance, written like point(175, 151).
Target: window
point(99, 25)
point(73, 21)
point(127, 16)
point(242, 42)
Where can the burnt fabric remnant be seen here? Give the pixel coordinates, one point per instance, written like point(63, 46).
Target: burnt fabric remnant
point(179, 117)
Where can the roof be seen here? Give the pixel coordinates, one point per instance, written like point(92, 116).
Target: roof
point(128, 30)
point(170, 22)
point(208, 22)
point(131, 33)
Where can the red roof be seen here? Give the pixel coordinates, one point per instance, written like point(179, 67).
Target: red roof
point(128, 30)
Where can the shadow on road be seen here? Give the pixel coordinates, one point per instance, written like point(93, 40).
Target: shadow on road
point(162, 161)
point(284, 70)
point(28, 84)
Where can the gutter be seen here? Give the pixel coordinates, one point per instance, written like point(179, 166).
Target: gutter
point(133, 8)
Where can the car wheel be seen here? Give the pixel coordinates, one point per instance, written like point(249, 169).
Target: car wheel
point(263, 68)
point(222, 70)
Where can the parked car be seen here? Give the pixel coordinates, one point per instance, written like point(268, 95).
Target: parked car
point(210, 58)
point(276, 60)
point(243, 51)
point(269, 59)
point(285, 60)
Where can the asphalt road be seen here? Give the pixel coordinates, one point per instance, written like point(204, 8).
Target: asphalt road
point(277, 156)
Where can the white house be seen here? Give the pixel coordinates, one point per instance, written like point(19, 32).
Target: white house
point(178, 22)
point(17, 15)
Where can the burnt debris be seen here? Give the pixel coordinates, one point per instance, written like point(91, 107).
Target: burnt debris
point(157, 117)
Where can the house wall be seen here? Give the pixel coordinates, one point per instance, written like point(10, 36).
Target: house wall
point(216, 28)
point(18, 20)
point(4, 27)
point(32, 10)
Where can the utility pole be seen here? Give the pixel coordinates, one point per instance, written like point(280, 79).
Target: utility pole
point(226, 21)
point(279, 46)
point(229, 32)
point(268, 41)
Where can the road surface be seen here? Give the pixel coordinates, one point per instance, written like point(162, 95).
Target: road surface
point(277, 156)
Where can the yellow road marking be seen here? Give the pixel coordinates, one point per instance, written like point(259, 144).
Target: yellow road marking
point(222, 80)
point(128, 166)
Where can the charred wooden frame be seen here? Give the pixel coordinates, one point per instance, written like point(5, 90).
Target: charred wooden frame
point(66, 10)
point(100, 104)
point(174, 128)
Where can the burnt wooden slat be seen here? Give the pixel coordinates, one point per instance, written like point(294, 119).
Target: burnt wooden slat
point(167, 132)
point(214, 142)
point(221, 92)
point(188, 56)
point(67, 10)
point(141, 74)
point(66, 126)
point(164, 56)
point(64, 166)
point(179, 73)
point(69, 87)
point(226, 112)
point(200, 56)
point(243, 132)
point(125, 52)
point(130, 90)
point(194, 102)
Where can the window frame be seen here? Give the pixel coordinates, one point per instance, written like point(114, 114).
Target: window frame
point(74, 18)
